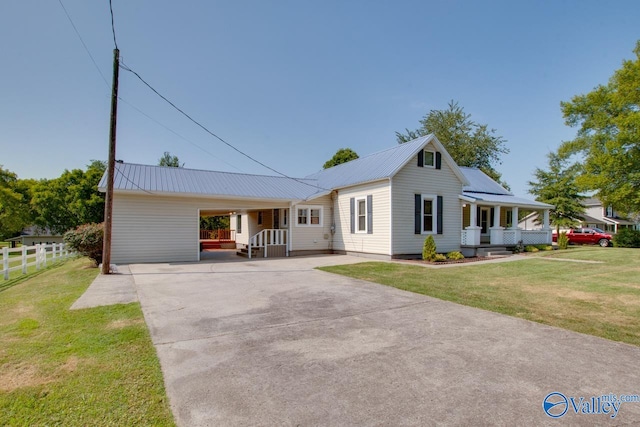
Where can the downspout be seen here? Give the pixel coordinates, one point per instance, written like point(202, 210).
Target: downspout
point(334, 195)
point(391, 217)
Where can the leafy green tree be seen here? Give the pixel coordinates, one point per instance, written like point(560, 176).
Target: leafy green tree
point(343, 155)
point(170, 161)
point(608, 121)
point(557, 186)
point(70, 200)
point(15, 213)
point(214, 222)
point(469, 143)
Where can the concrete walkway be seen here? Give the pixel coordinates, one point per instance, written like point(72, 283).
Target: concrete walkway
point(108, 290)
point(275, 342)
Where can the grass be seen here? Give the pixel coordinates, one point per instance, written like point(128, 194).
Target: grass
point(598, 299)
point(83, 367)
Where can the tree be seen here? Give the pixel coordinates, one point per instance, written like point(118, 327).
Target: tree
point(557, 186)
point(343, 155)
point(169, 161)
point(14, 204)
point(469, 143)
point(70, 200)
point(608, 137)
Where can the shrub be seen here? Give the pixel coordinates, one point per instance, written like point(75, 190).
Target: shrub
point(563, 240)
point(87, 240)
point(429, 249)
point(440, 257)
point(627, 238)
point(544, 247)
point(531, 248)
point(455, 255)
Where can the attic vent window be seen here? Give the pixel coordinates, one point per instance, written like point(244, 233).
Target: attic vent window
point(429, 159)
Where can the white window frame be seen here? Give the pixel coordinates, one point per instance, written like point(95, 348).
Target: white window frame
point(434, 213)
point(358, 214)
point(424, 159)
point(239, 224)
point(309, 208)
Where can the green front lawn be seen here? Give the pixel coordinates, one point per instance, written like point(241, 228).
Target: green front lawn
point(597, 299)
point(83, 367)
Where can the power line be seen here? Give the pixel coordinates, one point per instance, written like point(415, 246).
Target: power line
point(113, 27)
point(178, 135)
point(126, 68)
point(84, 45)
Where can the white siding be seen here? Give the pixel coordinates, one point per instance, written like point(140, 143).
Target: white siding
point(148, 228)
point(378, 241)
point(308, 238)
point(411, 180)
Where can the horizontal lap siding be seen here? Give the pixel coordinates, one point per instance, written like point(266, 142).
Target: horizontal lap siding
point(148, 228)
point(378, 241)
point(411, 180)
point(312, 238)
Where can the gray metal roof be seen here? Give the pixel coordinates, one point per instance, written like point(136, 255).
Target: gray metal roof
point(376, 166)
point(505, 200)
point(479, 182)
point(158, 179)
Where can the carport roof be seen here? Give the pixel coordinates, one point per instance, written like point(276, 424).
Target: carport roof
point(170, 180)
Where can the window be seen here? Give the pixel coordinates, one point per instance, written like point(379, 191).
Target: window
point(285, 217)
point(239, 224)
point(361, 213)
point(310, 216)
point(260, 217)
point(429, 159)
point(303, 216)
point(509, 215)
point(428, 214)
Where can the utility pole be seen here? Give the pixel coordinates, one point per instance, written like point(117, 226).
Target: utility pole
point(111, 166)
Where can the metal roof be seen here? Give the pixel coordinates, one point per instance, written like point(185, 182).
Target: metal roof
point(480, 182)
point(377, 166)
point(505, 200)
point(159, 179)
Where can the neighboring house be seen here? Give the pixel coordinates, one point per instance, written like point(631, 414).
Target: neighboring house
point(596, 216)
point(35, 235)
point(384, 205)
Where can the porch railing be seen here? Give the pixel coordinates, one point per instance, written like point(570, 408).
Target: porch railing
point(508, 236)
point(219, 234)
point(266, 238)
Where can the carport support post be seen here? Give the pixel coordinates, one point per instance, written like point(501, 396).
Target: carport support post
point(111, 166)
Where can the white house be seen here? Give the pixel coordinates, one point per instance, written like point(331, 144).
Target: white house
point(383, 204)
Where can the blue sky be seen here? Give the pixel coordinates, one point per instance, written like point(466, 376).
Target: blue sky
point(291, 82)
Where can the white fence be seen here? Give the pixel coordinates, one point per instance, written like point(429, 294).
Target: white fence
point(38, 256)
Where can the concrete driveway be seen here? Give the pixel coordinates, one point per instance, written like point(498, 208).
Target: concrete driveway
point(274, 342)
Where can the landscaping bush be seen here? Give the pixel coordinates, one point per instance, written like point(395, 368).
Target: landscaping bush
point(563, 240)
point(531, 248)
point(87, 240)
point(440, 258)
point(544, 247)
point(627, 238)
point(455, 255)
point(429, 249)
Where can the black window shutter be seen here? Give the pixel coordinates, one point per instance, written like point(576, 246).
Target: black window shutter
point(369, 214)
point(493, 214)
point(352, 213)
point(421, 158)
point(478, 213)
point(418, 214)
point(438, 160)
point(439, 219)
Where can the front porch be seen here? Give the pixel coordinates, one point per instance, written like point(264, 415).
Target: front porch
point(486, 226)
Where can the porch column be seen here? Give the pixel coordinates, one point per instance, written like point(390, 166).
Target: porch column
point(472, 232)
point(514, 217)
point(546, 227)
point(497, 232)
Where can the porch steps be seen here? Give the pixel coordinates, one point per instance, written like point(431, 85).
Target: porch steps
point(493, 251)
point(244, 252)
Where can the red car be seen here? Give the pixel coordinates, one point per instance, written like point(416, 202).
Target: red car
point(587, 236)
